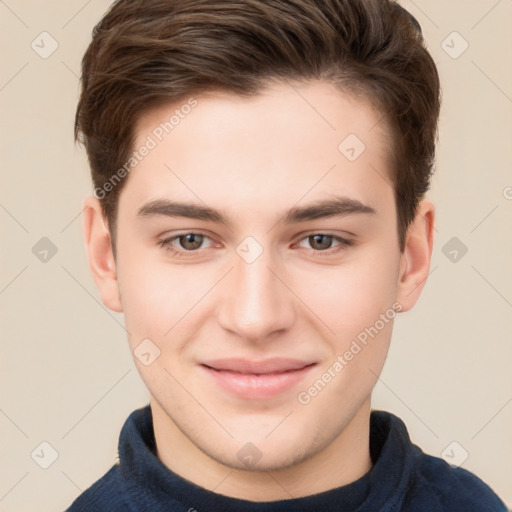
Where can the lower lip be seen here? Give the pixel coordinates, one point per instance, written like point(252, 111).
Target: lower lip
point(253, 387)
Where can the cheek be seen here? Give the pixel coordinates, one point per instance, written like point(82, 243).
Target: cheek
point(161, 299)
point(154, 295)
point(349, 297)
point(357, 306)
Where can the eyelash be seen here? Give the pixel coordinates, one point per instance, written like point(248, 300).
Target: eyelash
point(343, 243)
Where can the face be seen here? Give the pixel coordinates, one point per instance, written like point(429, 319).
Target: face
point(258, 269)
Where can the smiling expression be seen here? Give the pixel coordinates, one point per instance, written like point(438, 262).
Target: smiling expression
point(251, 252)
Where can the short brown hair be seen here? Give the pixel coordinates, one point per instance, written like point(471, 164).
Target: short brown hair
point(147, 52)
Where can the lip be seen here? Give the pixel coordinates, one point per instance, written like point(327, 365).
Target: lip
point(257, 379)
point(273, 365)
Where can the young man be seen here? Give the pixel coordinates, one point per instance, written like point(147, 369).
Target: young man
point(259, 217)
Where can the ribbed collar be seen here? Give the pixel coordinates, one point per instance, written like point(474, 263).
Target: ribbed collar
point(149, 485)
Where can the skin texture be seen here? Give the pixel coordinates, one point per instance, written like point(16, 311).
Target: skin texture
point(252, 159)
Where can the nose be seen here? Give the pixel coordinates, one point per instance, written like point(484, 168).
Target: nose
point(256, 303)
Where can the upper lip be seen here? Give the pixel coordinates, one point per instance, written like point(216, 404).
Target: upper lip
point(274, 365)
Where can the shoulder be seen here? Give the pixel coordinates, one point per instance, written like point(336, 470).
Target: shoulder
point(441, 486)
point(421, 482)
point(102, 495)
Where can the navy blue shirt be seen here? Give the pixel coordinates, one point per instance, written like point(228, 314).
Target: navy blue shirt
point(402, 478)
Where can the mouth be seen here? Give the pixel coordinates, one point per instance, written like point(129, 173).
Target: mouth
point(253, 380)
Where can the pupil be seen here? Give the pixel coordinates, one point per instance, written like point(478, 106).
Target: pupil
point(193, 239)
point(319, 238)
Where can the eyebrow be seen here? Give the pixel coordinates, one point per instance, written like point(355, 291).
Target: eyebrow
point(336, 207)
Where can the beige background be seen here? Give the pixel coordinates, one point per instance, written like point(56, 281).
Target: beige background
point(67, 377)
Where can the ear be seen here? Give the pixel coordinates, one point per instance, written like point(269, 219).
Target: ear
point(415, 260)
point(100, 254)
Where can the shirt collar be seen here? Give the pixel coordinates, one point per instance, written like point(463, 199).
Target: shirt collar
point(147, 482)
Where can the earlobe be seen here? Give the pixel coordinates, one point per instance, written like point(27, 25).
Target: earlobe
point(100, 254)
point(415, 260)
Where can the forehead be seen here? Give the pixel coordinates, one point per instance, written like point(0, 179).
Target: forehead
point(290, 141)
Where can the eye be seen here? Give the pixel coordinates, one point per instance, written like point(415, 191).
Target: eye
point(322, 243)
point(189, 244)
point(184, 243)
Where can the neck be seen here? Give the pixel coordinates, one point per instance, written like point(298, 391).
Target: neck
point(344, 460)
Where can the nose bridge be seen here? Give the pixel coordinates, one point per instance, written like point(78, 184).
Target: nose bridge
point(256, 302)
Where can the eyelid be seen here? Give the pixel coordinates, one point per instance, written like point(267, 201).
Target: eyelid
point(345, 235)
point(166, 240)
point(343, 243)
